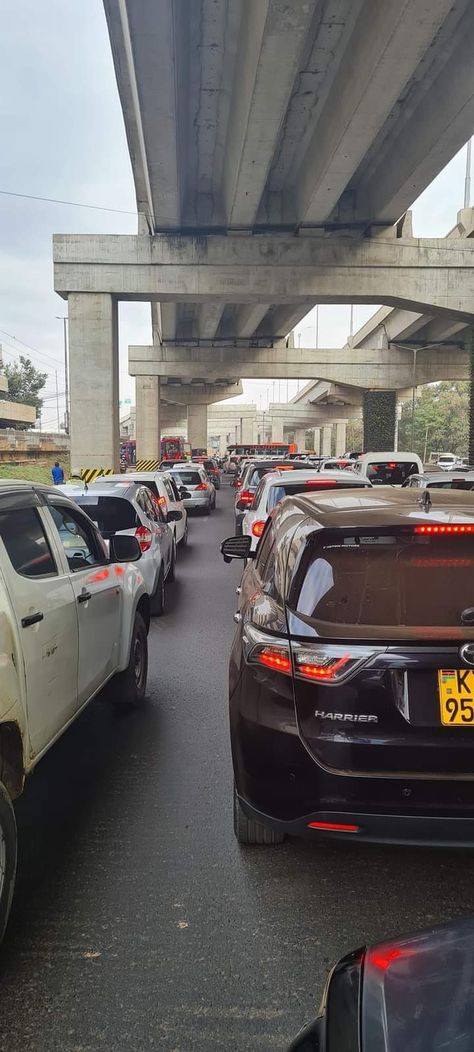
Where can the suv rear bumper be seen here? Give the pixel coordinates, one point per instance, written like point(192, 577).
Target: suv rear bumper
point(419, 830)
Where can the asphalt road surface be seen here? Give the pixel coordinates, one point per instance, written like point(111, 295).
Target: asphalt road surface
point(138, 923)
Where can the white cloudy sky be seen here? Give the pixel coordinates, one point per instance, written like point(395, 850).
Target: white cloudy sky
point(62, 137)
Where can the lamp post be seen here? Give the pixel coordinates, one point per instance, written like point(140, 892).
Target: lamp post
point(64, 320)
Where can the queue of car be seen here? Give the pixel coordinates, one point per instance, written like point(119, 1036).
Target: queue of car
point(351, 686)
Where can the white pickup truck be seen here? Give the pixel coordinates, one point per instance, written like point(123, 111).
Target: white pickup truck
point(74, 616)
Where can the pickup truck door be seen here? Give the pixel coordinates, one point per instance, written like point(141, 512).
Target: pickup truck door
point(98, 595)
point(44, 605)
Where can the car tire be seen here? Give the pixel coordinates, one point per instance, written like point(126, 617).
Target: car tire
point(172, 569)
point(8, 856)
point(250, 832)
point(129, 687)
point(157, 600)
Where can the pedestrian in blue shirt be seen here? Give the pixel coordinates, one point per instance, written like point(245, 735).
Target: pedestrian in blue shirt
point(57, 474)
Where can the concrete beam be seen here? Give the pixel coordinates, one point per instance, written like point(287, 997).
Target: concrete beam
point(248, 319)
point(17, 413)
point(378, 368)
point(190, 394)
point(388, 42)
point(208, 318)
point(428, 274)
point(273, 34)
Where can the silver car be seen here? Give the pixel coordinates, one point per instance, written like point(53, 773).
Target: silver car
point(192, 479)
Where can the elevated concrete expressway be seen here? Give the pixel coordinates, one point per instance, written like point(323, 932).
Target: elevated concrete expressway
point(275, 146)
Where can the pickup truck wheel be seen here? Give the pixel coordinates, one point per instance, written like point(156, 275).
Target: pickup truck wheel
point(128, 687)
point(8, 853)
point(157, 601)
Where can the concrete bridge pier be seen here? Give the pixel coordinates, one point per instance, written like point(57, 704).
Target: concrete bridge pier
point(197, 425)
point(148, 424)
point(93, 366)
point(326, 440)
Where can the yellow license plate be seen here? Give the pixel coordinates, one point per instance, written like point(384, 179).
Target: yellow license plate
point(456, 697)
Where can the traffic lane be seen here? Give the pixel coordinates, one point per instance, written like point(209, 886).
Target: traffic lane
point(139, 922)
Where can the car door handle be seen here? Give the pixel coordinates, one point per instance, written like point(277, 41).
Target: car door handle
point(84, 597)
point(32, 619)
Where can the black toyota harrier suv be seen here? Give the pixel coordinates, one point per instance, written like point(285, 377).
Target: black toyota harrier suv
point(352, 670)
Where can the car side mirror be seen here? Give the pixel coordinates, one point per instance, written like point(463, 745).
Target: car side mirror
point(236, 548)
point(124, 548)
point(184, 494)
point(175, 516)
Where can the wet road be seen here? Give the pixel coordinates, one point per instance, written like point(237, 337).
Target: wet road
point(139, 924)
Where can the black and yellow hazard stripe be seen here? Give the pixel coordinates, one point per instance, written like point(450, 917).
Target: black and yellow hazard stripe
point(91, 474)
point(147, 465)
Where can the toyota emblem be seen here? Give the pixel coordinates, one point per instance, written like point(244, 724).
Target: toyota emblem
point(467, 654)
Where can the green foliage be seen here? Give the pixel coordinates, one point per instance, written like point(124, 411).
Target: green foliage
point(24, 386)
point(379, 408)
point(440, 421)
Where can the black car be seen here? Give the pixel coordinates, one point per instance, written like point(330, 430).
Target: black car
point(247, 483)
point(352, 670)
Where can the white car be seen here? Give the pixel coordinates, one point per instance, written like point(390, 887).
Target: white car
point(74, 616)
point(164, 489)
point(197, 484)
point(390, 468)
point(123, 507)
point(278, 484)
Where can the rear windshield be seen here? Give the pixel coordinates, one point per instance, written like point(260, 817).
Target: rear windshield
point(390, 472)
point(276, 493)
point(110, 514)
point(187, 478)
point(263, 469)
point(385, 584)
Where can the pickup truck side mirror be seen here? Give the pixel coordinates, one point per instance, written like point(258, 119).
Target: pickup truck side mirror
point(175, 516)
point(237, 548)
point(124, 548)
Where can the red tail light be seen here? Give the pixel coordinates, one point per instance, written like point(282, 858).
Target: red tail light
point(458, 528)
point(335, 827)
point(202, 485)
point(238, 483)
point(144, 537)
point(319, 483)
point(246, 496)
point(276, 658)
point(258, 527)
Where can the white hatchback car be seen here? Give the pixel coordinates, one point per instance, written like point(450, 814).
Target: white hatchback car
point(123, 507)
point(278, 484)
point(74, 616)
point(163, 487)
point(201, 492)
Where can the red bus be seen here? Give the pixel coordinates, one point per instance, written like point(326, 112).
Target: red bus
point(175, 447)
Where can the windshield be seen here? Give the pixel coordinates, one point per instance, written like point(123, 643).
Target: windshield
point(385, 583)
point(110, 514)
point(390, 472)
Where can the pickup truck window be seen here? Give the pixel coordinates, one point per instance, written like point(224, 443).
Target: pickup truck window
point(24, 538)
point(78, 538)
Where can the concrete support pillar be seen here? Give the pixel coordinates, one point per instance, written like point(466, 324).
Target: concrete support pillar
point(277, 429)
point(300, 438)
point(326, 449)
point(197, 426)
point(147, 400)
point(341, 437)
point(247, 429)
point(379, 413)
point(93, 374)
point(317, 439)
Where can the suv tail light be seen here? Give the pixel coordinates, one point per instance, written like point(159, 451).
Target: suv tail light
point(330, 665)
point(144, 537)
point(246, 496)
point(202, 485)
point(258, 527)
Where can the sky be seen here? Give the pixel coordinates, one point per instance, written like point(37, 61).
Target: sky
point(63, 137)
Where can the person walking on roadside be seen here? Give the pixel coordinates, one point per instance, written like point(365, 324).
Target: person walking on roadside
point(57, 474)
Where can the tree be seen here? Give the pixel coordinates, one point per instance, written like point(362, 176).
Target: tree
point(24, 386)
point(440, 420)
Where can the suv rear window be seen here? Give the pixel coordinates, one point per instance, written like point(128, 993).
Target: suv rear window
point(187, 478)
point(276, 493)
point(385, 584)
point(110, 514)
point(390, 472)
